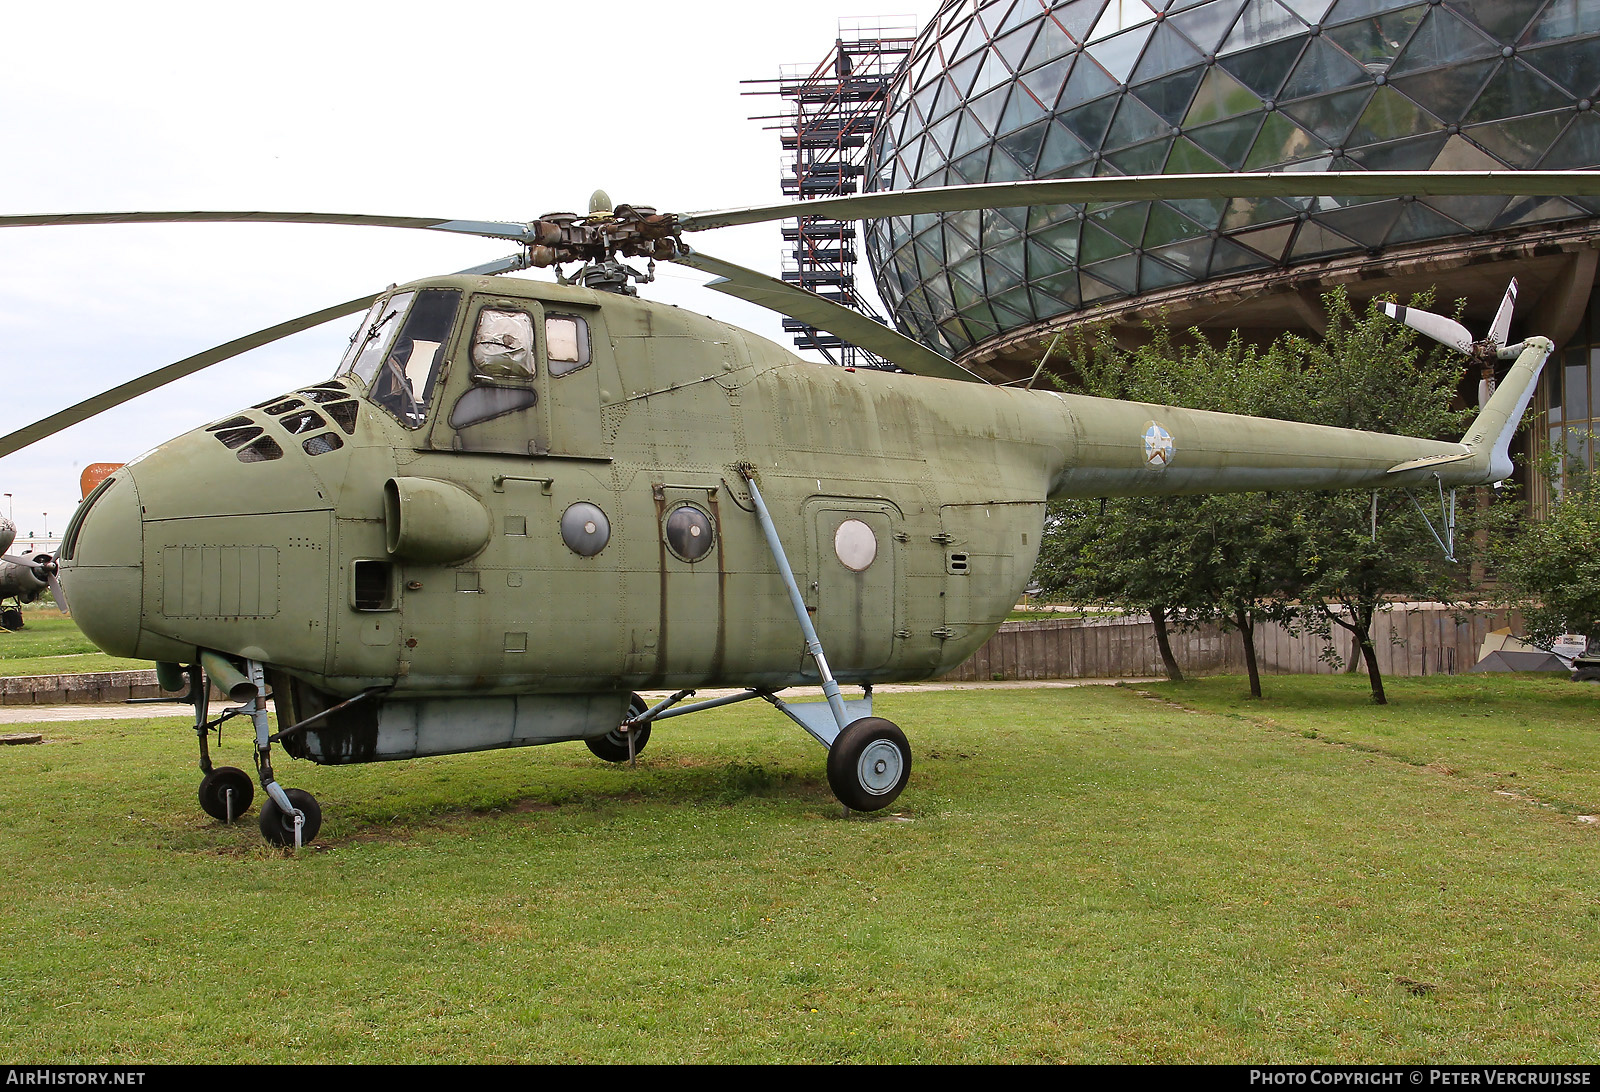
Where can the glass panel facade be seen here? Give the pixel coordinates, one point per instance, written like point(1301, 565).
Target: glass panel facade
point(1569, 398)
point(999, 90)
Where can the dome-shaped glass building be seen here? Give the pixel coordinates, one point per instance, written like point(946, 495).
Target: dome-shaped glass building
point(1003, 90)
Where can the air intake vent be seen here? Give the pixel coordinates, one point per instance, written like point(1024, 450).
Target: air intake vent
point(263, 450)
point(321, 445)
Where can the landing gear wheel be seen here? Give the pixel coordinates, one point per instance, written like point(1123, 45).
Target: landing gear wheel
point(868, 764)
point(214, 794)
point(613, 746)
point(11, 618)
point(277, 826)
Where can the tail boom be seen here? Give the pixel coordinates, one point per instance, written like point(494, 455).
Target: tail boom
point(1115, 448)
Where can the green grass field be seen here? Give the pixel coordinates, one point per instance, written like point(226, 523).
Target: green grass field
point(50, 643)
point(1083, 875)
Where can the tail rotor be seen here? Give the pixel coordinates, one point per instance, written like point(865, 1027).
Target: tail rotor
point(1453, 335)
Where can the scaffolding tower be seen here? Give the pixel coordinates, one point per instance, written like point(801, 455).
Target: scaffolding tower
point(825, 129)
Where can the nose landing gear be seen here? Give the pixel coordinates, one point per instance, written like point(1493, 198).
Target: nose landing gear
point(289, 817)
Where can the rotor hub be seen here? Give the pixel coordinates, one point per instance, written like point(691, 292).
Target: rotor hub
point(627, 231)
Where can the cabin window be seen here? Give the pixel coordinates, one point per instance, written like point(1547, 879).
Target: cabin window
point(566, 339)
point(405, 382)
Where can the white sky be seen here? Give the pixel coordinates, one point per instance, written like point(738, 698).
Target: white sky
point(468, 110)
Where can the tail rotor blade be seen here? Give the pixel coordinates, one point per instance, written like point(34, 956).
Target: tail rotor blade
point(1447, 332)
point(1500, 329)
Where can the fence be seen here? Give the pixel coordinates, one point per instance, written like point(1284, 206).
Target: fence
point(1410, 640)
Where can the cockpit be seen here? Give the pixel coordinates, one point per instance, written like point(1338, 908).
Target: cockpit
point(400, 351)
point(398, 360)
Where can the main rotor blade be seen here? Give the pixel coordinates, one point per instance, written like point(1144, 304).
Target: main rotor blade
point(1162, 187)
point(150, 381)
point(490, 228)
point(808, 307)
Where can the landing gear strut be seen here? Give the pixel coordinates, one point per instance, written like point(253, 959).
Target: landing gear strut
point(869, 759)
point(290, 817)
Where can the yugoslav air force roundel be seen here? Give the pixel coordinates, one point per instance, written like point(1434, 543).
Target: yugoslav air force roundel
point(1158, 447)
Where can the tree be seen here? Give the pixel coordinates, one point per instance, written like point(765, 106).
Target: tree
point(1184, 559)
point(1359, 549)
point(1552, 567)
point(1127, 552)
point(1249, 558)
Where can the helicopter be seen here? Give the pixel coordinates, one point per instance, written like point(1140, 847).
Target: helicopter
point(515, 504)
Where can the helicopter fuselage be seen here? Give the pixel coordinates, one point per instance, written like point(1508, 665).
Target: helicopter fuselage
point(441, 550)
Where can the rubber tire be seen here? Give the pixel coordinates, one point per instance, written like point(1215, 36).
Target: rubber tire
point(11, 618)
point(865, 740)
point(613, 746)
point(277, 826)
point(213, 793)
point(1586, 674)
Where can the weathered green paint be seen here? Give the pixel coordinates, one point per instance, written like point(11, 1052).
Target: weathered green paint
point(191, 548)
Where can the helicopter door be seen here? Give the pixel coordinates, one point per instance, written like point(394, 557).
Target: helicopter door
point(529, 381)
point(989, 550)
point(577, 352)
point(494, 404)
point(853, 582)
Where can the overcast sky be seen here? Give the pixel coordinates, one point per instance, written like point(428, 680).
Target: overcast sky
point(465, 110)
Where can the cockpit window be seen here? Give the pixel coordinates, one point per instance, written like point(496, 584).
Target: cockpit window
point(404, 382)
point(371, 341)
point(502, 347)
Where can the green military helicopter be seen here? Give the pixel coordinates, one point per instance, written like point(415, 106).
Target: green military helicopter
point(517, 503)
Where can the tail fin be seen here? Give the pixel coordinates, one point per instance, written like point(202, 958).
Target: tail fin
point(1490, 435)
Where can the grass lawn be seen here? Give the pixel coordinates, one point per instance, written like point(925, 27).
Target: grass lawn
point(50, 643)
point(1082, 875)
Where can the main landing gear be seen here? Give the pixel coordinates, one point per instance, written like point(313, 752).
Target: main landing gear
point(625, 741)
point(289, 817)
point(869, 760)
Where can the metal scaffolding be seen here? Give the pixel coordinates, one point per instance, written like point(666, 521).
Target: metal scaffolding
point(827, 123)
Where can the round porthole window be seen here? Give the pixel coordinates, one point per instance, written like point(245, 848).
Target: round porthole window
point(585, 529)
point(855, 545)
point(689, 532)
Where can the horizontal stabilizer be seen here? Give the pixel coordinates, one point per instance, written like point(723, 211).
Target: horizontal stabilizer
point(1431, 460)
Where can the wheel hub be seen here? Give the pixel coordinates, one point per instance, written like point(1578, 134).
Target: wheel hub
point(879, 767)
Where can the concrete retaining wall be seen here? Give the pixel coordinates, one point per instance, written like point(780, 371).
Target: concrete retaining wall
point(100, 686)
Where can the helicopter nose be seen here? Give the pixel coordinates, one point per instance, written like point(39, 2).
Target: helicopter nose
point(100, 565)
